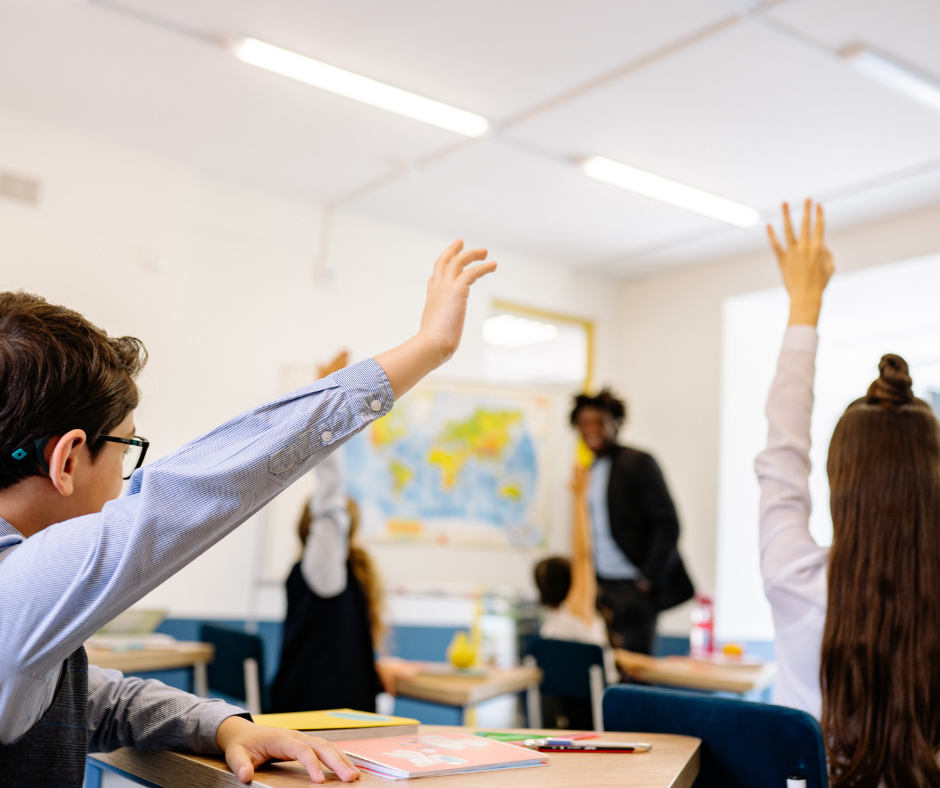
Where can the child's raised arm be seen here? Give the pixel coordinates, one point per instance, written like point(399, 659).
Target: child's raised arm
point(63, 583)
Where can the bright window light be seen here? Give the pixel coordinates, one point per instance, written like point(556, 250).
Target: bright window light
point(894, 75)
point(513, 331)
point(669, 191)
point(368, 91)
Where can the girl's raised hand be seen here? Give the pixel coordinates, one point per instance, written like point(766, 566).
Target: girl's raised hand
point(805, 262)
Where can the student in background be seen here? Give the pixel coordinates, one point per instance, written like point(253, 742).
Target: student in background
point(333, 627)
point(73, 554)
point(568, 589)
point(634, 525)
point(568, 592)
point(857, 624)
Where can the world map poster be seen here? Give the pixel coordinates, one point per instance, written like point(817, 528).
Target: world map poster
point(456, 466)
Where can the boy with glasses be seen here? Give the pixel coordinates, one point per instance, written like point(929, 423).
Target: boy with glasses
point(73, 554)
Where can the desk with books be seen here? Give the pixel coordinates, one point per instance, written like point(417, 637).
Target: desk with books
point(672, 761)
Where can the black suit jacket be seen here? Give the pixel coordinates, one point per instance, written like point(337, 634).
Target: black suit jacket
point(644, 524)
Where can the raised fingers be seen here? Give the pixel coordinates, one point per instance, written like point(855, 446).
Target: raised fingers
point(788, 225)
point(447, 255)
point(470, 275)
point(820, 229)
point(459, 262)
point(807, 214)
point(778, 249)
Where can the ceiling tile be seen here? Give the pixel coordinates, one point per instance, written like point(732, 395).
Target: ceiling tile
point(86, 67)
point(907, 29)
point(490, 56)
point(750, 114)
point(503, 197)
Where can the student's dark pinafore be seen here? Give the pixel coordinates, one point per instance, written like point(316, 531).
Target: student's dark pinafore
point(327, 660)
point(51, 754)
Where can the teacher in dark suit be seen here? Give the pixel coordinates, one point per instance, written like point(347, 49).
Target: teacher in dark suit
point(634, 525)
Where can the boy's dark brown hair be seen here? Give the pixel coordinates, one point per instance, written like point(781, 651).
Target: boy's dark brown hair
point(58, 372)
point(553, 580)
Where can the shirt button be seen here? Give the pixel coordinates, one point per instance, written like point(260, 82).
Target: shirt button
point(326, 437)
point(375, 405)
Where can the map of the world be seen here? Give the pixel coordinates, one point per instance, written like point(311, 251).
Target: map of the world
point(453, 467)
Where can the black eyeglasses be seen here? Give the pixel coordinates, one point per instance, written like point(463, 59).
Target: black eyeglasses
point(134, 453)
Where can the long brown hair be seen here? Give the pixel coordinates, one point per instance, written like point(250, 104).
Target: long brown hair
point(363, 569)
point(880, 662)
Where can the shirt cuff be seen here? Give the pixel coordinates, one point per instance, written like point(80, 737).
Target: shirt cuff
point(367, 388)
point(203, 725)
point(803, 338)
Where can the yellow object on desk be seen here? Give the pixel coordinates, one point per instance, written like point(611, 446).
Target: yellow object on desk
point(462, 652)
point(330, 719)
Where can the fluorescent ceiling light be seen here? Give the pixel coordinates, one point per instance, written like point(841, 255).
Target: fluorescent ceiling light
point(368, 91)
point(511, 331)
point(672, 192)
point(894, 75)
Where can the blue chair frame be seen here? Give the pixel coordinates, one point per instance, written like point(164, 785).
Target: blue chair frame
point(238, 667)
point(744, 744)
point(569, 670)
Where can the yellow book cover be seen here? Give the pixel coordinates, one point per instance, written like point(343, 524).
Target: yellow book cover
point(329, 720)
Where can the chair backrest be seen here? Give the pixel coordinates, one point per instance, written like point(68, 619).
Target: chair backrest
point(744, 744)
point(226, 673)
point(566, 666)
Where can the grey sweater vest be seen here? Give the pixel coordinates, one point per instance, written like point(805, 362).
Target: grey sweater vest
point(51, 754)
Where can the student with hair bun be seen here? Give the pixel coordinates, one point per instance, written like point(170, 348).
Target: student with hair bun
point(858, 623)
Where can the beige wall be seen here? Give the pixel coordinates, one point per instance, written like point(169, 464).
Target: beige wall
point(670, 362)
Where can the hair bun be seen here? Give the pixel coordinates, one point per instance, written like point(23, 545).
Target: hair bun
point(893, 386)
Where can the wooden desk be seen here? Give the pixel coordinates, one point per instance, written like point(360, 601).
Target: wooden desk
point(672, 763)
point(182, 654)
point(463, 691)
point(689, 673)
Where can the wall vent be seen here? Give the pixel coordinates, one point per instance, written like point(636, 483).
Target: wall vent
point(19, 187)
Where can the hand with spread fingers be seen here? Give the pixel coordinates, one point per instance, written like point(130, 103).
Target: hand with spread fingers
point(442, 320)
point(247, 745)
point(806, 264)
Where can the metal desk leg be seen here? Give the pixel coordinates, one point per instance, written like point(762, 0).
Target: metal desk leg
point(200, 680)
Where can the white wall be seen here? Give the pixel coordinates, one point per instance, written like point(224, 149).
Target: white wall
point(670, 367)
point(217, 279)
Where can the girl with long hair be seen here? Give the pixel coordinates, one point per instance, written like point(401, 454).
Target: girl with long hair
point(857, 624)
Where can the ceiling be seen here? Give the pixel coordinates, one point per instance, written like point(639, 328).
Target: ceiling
point(747, 100)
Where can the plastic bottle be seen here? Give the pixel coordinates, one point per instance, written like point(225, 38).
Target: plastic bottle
point(702, 636)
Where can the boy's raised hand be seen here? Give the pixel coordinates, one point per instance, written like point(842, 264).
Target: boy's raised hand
point(442, 320)
point(247, 745)
point(806, 264)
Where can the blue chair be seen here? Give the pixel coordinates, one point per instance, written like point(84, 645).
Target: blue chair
point(744, 744)
point(570, 672)
point(238, 666)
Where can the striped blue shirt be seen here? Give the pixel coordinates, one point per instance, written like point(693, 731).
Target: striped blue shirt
point(61, 585)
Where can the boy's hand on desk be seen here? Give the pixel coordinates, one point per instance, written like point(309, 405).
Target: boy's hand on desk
point(247, 745)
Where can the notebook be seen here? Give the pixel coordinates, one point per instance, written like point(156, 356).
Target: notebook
point(340, 724)
point(435, 754)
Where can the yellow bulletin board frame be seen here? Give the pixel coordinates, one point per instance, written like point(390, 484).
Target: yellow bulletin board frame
point(557, 317)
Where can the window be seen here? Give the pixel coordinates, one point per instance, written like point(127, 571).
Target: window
point(527, 346)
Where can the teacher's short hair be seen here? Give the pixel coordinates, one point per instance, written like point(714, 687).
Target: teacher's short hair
point(606, 401)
